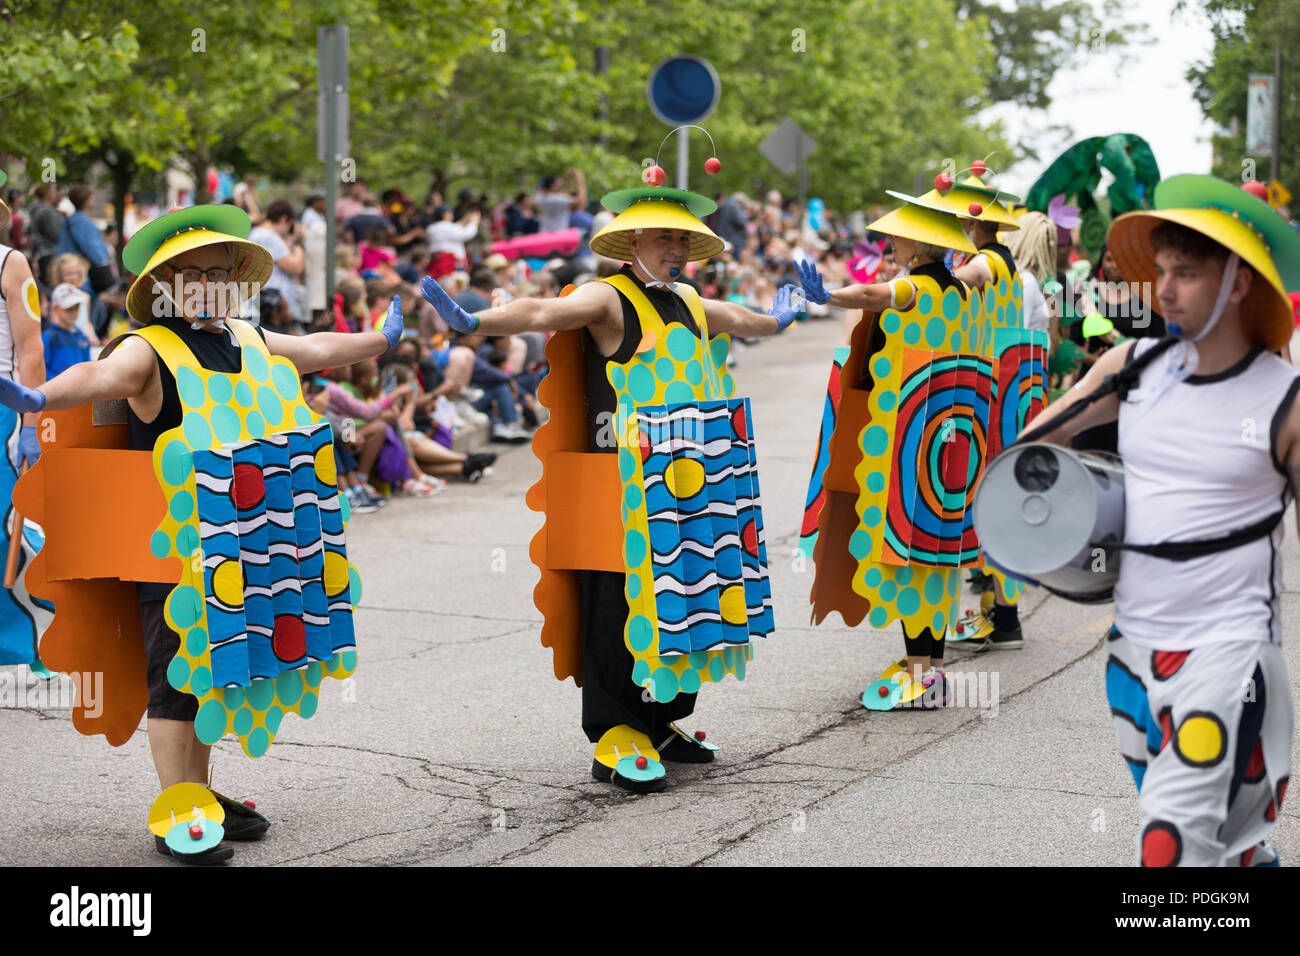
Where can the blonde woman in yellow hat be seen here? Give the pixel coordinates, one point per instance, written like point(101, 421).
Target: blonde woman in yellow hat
point(1209, 432)
point(22, 359)
point(195, 269)
point(634, 339)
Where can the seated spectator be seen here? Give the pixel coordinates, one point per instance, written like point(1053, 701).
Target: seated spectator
point(65, 344)
point(482, 282)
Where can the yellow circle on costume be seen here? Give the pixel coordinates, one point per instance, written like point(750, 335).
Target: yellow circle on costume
point(228, 583)
point(325, 470)
point(32, 298)
point(684, 478)
point(1200, 740)
point(732, 605)
point(336, 573)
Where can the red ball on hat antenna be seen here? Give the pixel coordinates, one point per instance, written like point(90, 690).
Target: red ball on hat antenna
point(654, 175)
point(712, 165)
point(978, 168)
point(1256, 188)
point(975, 209)
point(943, 182)
point(642, 763)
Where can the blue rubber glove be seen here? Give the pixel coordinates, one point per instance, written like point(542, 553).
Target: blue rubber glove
point(787, 304)
point(19, 397)
point(451, 313)
point(811, 281)
point(29, 446)
point(393, 322)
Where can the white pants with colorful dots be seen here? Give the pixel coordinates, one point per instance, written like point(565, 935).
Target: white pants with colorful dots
point(1207, 735)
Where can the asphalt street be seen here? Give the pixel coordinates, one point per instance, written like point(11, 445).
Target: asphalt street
point(454, 744)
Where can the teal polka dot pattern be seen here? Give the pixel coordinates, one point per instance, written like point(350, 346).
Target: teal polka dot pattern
point(876, 482)
point(269, 404)
point(718, 349)
point(951, 304)
point(859, 544)
point(185, 604)
point(633, 586)
point(909, 601)
point(178, 673)
point(272, 719)
point(350, 660)
point(210, 722)
point(220, 389)
point(880, 367)
point(255, 363)
point(890, 322)
point(261, 693)
point(288, 688)
point(872, 517)
point(312, 675)
point(875, 440)
point(196, 429)
point(935, 332)
point(634, 548)
point(878, 617)
point(177, 462)
point(681, 343)
point(640, 633)
point(678, 392)
point(924, 303)
point(694, 372)
point(626, 465)
point(243, 721)
point(159, 545)
point(302, 416)
point(663, 685)
point(934, 588)
point(716, 670)
point(632, 497)
point(665, 369)
point(243, 394)
point(225, 422)
point(258, 741)
point(640, 673)
point(641, 383)
point(232, 697)
point(888, 589)
point(196, 642)
point(256, 424)
point(912, 333)
point(874, 577)
point(903, 576)
point(190, 387)
point(285, 382)
point(938, 622)
point(617, 378)
point(308, 706)
point(689, 682)
point(187, 541)
point(887, 401)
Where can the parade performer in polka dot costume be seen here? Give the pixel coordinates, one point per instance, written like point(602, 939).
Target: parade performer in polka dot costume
point(652, 557)
point(920, 411)
point(1210, 439)
point(253, 518)
point(22, 358)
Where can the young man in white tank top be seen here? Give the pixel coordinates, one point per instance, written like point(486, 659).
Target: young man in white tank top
point(1210, 437)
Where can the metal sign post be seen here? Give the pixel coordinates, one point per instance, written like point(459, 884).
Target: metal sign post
point(332, 130)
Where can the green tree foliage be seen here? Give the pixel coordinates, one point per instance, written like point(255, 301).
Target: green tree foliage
point(1246, 35)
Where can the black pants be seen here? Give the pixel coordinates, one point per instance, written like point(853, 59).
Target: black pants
point(609, 697)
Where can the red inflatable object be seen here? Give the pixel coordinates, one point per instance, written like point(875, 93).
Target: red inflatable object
point(540, 245)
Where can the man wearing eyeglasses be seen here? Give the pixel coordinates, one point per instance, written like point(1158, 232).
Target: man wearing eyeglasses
point(193, 292)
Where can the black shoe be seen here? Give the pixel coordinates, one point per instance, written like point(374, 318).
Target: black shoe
point(475, 465)
point(682, 748)
point(980, 582)
point(1010, 640)
point(606, 775)
point(213, 857)
point(242, 822)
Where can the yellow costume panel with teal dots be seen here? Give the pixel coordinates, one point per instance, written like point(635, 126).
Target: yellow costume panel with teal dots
point(264, 604)
point(933, 404)
point(682, 438)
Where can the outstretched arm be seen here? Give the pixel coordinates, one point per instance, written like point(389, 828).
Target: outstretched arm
point(311, 353)
point(125, 373)
point(748, 324)
point(873, 298)
point(589, 305)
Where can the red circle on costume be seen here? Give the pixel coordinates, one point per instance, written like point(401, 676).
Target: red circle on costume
point(1161, 845)
point(739, 424)
point(289, 640)
point(1255, 766)
point(749, 537)
point(699, 735)
point(978, 167)
point(249, 488)
point(1256, 188)
point(1166, 663)
point(643, 439)
point(642, 763)
point(712, 165)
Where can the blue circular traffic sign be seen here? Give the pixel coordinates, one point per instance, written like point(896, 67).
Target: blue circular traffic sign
point(683, 89)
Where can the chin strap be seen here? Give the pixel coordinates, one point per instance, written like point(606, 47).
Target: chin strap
point(653, 283)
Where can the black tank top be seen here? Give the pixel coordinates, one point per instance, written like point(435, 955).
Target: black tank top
point(1003, 253)
point(600, 394)
point(216, 351)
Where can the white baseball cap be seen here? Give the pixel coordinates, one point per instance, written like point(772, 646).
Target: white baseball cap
point(67, 296)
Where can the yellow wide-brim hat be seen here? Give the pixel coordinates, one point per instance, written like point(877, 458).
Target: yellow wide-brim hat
point(922, 222)
point(958, 199)
point(656, 207)
point(1239, 222)
point(181, 231)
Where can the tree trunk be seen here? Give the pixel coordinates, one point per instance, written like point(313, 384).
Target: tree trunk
point(122, 167)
